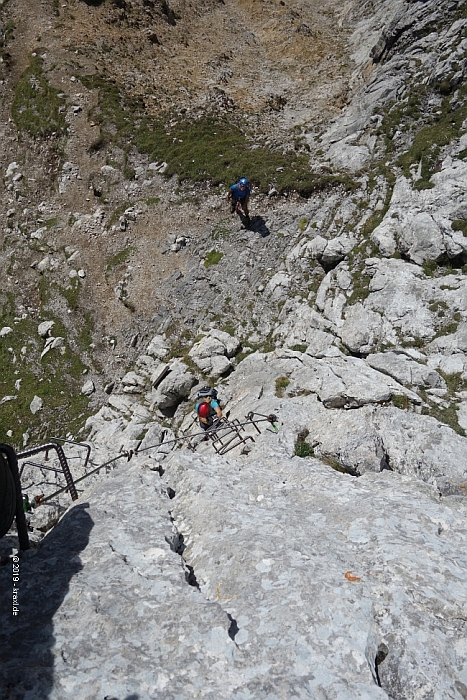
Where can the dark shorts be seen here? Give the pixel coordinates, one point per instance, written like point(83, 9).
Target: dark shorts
point(205, 426)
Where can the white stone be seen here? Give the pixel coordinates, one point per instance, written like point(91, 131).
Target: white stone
point(11, 169)
point(44, 264)
point(158, 347)
point(7, 398)
point(88, 388)
point(36, 404)
point(44, 328)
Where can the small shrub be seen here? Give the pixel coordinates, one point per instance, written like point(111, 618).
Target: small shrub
point(303, 449)
point(400, 401)
point(430, 267)
point(229, 328)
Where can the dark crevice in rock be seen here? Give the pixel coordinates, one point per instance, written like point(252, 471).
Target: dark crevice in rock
point(170, 492)
point(358, 355)
point(176, 542)
point(329, 265)
point(190, 577)
point(177, 545)
point(381, 654)
point(169, 411)
point(385, 462)
point(234, 628)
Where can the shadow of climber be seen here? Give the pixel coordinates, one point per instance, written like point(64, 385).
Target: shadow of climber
point(27, 639)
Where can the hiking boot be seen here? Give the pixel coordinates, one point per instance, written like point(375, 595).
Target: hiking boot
point(247, 221)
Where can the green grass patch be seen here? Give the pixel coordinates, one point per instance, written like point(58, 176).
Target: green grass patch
point(213, 258)
point(208, 149)
point(85, 333)
point(360, 285)
point(36, 104)
point(401, 401)
point(302, 447)
point(438, 306)
point(249, 348)
point(448, 329)
point(229, 328)
point(459, 225)
point(281, 385)
point(429, 140)
point(71, 293)
point(50, 223)
point(430, 267)
point(152, 200)
point(431, 128)
point(118, 212)
point(218, 151)
point(118, 259)
point(454, 382)
point(447, 415)
point(56, 378)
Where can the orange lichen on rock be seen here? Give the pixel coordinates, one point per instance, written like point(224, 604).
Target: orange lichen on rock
point(349, 577)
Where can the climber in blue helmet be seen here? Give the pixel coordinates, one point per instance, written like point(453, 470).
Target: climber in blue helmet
point(239, 194)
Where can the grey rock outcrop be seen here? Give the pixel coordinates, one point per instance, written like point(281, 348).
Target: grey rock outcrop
point(418, 223)
point(213, 352)
point(357, 562)
point(174, 387)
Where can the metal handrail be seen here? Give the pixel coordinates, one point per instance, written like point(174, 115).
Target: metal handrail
point(79, 444)
point(61, 458)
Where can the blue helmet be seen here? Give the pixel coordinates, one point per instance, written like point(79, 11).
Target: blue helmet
point(243, 181)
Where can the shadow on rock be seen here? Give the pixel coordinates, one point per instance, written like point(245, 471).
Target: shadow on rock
point(258, 225)
point(27, 644)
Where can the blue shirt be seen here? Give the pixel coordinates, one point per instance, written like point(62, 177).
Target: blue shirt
point(237, 193)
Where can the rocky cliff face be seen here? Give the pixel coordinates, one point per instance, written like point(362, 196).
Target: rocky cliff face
point(324, 560)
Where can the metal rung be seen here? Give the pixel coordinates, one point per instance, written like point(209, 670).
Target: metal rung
point(227, 436)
